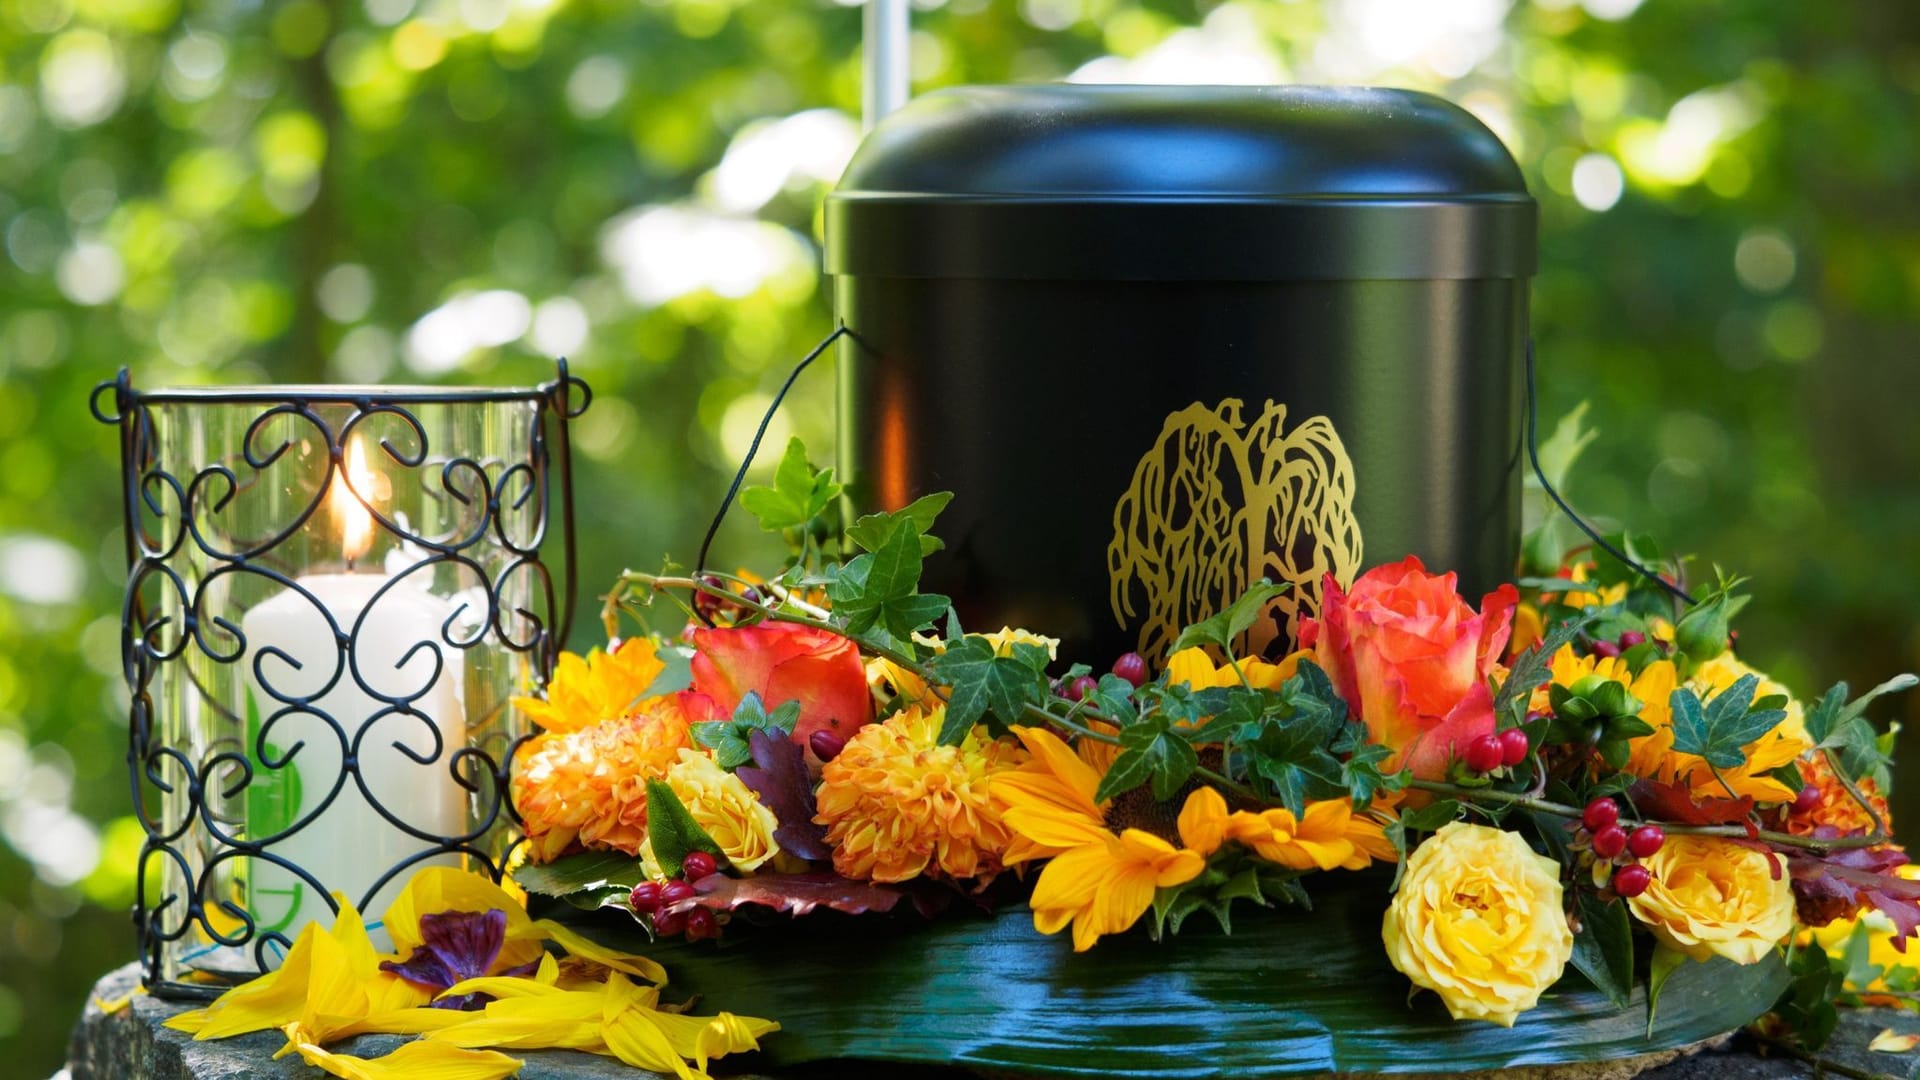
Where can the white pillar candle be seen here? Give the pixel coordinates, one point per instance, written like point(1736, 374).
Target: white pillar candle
point(349, 845)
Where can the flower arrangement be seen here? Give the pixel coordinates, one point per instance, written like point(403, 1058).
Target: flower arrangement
point(1544, 778)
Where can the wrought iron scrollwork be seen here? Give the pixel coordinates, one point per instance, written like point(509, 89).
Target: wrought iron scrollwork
point(215, 721)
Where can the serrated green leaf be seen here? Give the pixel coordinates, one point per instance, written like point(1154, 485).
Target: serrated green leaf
point(983, 685)
point(728, 738)
point(1720, 731)
point(880, 587)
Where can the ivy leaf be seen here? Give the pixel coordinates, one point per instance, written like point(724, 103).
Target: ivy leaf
point(728, 738)
point(1719, 732)
point(672, 832)
point(880, 587)
point(983, 684)
point(872, 530)
point(1603, 949)
point(1222, 629)
point(779, 777)
point(1433, 817)
point(1150, 750)
point(799, 492)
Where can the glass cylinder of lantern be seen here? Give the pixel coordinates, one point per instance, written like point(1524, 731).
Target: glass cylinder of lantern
point(333, 596)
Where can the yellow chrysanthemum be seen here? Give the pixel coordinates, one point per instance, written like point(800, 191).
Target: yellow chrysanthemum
point(1653, 756)
point(1099, 880)
point(1581, 573)
point(1196, 670)
point(897, 804)
point(585, 691)
point(590, 785)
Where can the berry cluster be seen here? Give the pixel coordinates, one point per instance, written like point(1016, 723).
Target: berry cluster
point(1131, 666)
point(656, 901)
point(1487, 753)
point(1612, 843)
point(1611, 649)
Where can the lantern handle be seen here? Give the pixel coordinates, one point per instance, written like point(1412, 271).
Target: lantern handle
point(886, 63)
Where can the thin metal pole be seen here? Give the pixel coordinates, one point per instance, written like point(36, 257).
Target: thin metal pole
point(885, 60)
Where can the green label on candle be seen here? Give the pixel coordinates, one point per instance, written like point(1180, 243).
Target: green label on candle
point(273, 805)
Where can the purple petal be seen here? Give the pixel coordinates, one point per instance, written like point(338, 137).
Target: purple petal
point(466, 942)
point(422, 967)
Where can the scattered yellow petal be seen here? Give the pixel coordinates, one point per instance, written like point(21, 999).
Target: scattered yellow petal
point(587, 949)
point(446, 888)
point(414, 1061)
point(1889, 1043)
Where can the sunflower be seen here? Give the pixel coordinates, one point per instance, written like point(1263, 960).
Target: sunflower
point(1653, 756)
point(590, 785)
point(1194, 669)
point(897, 804)
point(600, 686)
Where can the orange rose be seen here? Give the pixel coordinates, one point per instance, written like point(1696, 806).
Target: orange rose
point(1411, 658)
point(781, 662)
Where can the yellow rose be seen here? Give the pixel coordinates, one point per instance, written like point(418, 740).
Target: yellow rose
point(726, 808)
point(1715, 898)
point(1478, 920)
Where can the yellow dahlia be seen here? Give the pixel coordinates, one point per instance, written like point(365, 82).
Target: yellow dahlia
point(601, 686)
point(1099, 880)
point(897, 804)
point(590, 785)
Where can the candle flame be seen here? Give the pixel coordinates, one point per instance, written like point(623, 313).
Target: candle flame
point(356, 522)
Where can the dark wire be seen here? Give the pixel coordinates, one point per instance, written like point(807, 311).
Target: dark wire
point(753, 448)
point(1533, 453)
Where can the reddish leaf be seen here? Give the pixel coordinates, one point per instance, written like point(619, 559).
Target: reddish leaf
point(1671, 802)
point(796, 894)
point(782, 782)
point(1845, 883)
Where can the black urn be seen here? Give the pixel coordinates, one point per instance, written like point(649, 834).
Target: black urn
point(1165, 341)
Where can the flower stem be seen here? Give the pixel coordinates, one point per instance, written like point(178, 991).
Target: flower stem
point(1738, 832)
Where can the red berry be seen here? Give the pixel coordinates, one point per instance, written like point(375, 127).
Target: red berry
point(698, 864)
point(675, 891)
point(706, 604)
point(645, 897)
point(1631, 880)
point(669, 923)
point(1132, 667)
point(1808, 798)
point(700, 925)
point(1645, 841)
point(1484, 753)
point(826, 745)
point(1610, 841)
point(1630, 638)
point(1078, 689)
point(1513, 746)
point(1599, 814)
point(1606, 648)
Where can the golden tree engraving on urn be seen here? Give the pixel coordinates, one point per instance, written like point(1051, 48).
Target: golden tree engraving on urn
point(1218, 504)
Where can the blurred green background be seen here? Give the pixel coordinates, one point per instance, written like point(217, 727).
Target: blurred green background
point(453, 190)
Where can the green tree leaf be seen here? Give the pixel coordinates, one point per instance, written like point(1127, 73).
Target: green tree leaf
point(799, 492)
point(672, 832)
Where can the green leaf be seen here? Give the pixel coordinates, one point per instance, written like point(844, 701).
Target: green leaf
point(1222, 629)
point(799, 492)
point(1666, 961)
point(983, 685)
point(1603, 949)
point(1285, 995)
point(1534, 667)
point(880, 587)
point(586, 871)
point(1433, 817)
point(1720, 732)
point(728, 738)
point(871, 531)
point(672, 832)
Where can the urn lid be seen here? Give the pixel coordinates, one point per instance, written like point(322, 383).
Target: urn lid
point(1186, 183)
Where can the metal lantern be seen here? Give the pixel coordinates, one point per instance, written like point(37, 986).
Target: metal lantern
point(1165, 341)
point(333, 595)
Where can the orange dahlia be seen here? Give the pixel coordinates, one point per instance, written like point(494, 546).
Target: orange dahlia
point(1835, 807)
point(897, 804)
point(590, 785)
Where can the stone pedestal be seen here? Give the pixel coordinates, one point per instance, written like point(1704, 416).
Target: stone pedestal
point(131, 1044)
